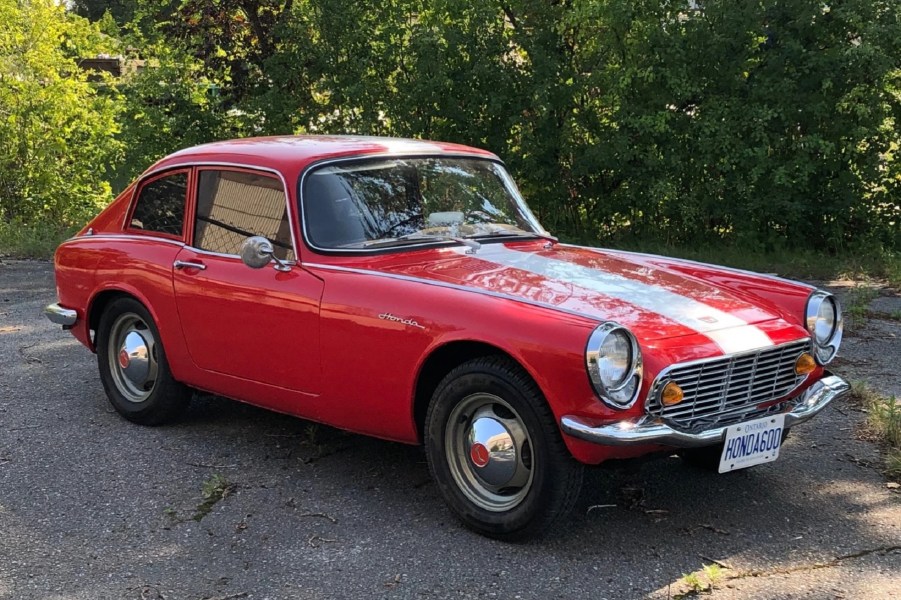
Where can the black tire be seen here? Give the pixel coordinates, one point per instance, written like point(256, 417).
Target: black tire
point(707, 458)
point(139, 385)
point(494, 392)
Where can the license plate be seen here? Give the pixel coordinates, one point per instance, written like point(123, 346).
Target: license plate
point(752, 443)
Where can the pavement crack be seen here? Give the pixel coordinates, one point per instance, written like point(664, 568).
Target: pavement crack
point(838, 560)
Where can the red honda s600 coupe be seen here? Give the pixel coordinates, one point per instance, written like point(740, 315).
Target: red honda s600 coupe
point(403, 289)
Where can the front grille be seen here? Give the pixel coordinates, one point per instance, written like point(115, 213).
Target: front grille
point(725, 390)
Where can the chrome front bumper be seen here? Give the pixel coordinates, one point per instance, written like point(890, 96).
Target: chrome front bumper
point(61, 316)
point(651, 431)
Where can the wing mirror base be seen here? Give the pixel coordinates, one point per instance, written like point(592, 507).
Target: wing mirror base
point(257, 252)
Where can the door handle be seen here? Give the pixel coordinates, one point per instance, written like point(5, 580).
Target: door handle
point(182, 264)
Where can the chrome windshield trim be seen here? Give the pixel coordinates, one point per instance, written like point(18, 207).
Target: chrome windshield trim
point(651, 431)
point(399, 156)
point(452, 286)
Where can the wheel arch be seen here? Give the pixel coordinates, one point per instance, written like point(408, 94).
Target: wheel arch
point(444, 359)
point(104, 298)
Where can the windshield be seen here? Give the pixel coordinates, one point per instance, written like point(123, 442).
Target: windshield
point(400, 201)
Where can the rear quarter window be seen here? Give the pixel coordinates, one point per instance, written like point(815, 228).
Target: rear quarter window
point(160, 207)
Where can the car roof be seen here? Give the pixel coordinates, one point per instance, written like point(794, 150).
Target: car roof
point(290, 154)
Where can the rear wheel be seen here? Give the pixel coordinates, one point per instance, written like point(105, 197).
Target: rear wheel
point(496, 453)
point(133, 366)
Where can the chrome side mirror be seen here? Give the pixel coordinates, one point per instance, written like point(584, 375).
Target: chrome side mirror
point(257, 252)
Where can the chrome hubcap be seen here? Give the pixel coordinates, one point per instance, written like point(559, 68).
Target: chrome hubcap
point(489, 452)
point(132, 357)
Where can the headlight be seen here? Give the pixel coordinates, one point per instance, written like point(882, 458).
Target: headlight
point(824, 322)
point(613, 360)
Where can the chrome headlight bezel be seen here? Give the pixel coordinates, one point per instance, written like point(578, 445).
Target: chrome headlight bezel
point(618, 395)
point(824, 347)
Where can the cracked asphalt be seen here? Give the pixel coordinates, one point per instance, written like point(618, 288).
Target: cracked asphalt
point(93, 507)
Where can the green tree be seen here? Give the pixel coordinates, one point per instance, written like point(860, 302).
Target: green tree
point(56, 129)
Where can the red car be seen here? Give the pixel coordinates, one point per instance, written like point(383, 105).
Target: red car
point(403, 289)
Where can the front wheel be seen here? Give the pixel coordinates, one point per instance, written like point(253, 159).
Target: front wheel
point(496, 453)
point(133, 366)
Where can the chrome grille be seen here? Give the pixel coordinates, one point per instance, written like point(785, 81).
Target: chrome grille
point(728, 389)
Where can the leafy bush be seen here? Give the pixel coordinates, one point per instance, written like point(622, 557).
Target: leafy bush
point(56, 128)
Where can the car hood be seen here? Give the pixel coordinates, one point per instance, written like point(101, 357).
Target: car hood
point(653, 299)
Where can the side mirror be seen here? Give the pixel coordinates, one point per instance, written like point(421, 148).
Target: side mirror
point(257, 252)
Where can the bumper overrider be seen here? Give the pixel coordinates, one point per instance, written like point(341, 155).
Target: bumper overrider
point(652, 431)
point(61, 316)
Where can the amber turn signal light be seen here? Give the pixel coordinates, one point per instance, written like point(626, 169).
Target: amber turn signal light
point(805, 364)
point(671, 394)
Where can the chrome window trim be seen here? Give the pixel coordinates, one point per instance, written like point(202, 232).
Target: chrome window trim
point(289, 206)
point(224, 255)
point(137, 186)
point(389, 155)
point(452, 286)
point(731, 357)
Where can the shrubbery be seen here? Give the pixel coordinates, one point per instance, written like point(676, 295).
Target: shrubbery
point(766, 125)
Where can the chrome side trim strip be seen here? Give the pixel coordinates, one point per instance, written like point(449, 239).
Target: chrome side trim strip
point(650, 431)
point(124, 236)
point(452, 286)
point(61, 316)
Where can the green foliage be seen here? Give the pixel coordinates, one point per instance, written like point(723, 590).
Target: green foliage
point(767, 124)
point(772, 125)
point(169, 105)
point(56, 128)
point(33, 239)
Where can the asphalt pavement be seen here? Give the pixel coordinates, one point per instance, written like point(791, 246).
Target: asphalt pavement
point(237, 502)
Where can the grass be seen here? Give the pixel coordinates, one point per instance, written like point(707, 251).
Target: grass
point(32, 240)
point(702, 581)
point(883, 424)
point(857, 304)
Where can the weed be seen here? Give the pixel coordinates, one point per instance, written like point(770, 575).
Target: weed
point(857, 304)
point(214, 489)
point(883, 424)
point(714, 574)
point(701, 581)
point(693, 581)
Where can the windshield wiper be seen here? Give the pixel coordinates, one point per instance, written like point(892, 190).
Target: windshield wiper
point(422, 237)
point(517, 233)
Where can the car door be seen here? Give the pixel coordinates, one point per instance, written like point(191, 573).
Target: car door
point(260, 325)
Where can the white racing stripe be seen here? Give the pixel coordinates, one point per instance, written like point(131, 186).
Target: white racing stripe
point(729, 332)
